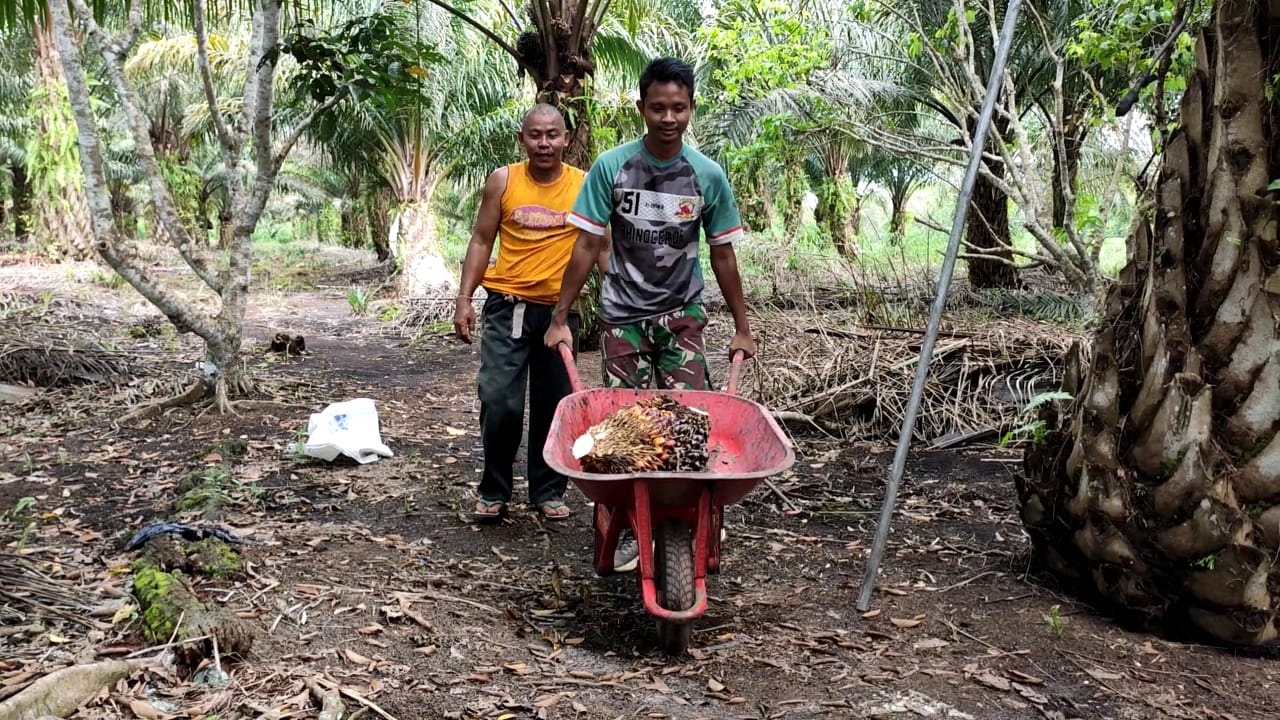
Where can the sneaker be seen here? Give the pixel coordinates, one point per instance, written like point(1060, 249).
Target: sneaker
point(627, 556)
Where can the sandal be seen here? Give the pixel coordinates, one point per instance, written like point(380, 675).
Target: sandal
point(490, 509)
point(554, 509)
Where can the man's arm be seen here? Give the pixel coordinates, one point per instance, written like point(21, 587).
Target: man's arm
point(724, 263)
point(723, 226)
point(602, 261)
point(477, 259)
point(586, 252)
point(591, 212)
point(483, 234)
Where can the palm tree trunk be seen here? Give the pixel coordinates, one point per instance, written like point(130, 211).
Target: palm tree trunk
point(791, 195)
point(60, 213)
point(898, 216)
point(21, 202)
point(987, 229)
point(755, 202)
point(122, 209)
point(424, 272)
point(380, 223)
point(1066, 166)
point(839, 213)
point(1157, 490)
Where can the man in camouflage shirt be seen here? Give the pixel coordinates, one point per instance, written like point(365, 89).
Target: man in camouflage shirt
point(658, 197)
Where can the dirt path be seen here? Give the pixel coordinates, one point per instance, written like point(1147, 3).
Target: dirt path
point(369, 575)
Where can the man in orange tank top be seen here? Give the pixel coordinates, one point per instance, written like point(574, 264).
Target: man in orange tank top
point(526, 205)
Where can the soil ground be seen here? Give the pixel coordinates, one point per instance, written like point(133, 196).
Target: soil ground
point(372, 577)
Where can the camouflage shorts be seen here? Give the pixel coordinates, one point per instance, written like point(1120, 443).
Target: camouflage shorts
point(666, 351)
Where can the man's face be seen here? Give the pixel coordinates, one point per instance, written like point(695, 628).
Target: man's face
point(543, 138)
point(666, 108)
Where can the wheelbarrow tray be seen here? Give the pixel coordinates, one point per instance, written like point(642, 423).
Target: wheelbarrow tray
point(746, 445)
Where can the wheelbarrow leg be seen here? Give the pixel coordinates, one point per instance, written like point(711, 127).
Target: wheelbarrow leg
point(713, 539)
point(608, 524)
point(672, 566)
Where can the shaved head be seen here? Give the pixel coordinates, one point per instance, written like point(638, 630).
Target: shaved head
point(539, 111)
point(543, 137)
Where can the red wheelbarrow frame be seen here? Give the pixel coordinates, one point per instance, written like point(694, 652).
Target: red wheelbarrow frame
point(747, 446)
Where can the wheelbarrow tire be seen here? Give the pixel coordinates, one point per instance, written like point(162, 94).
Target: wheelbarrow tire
point(673, 558)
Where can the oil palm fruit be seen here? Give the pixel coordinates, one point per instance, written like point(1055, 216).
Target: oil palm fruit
point(654, 434)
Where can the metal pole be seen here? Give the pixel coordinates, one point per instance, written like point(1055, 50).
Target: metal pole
point(939, 302)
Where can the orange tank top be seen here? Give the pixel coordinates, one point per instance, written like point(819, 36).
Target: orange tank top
point(535, 239)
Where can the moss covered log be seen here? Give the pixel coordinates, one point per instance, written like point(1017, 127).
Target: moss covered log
point(170, 610)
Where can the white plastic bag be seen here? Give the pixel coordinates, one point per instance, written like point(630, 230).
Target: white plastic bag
point(348, 428)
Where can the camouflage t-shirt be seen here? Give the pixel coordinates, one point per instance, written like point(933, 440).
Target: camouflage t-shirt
point(657, 211)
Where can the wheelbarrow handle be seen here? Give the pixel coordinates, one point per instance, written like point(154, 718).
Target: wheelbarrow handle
point(735, 371)
point(571, 367)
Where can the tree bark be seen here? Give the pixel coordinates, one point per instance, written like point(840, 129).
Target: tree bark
point(755, 202)
point(424, 272)
point(1066, 168)
point(987, 231)
point(838, 211)
point(987, 227)
point(898, 215)
point(380, 223)
point(21, 202)
point(791, 197)
point(1157, 489)
point(60, 214)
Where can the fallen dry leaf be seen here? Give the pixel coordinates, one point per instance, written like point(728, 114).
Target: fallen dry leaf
point(355, 658)
point(715, 686)
point(144, 710)
point(1025, 678)
point(548, 701)
point(908, 622)
point(993, 681)
point(870, 614)
point(930, 644)
point(1030, 694)
point(373, 629)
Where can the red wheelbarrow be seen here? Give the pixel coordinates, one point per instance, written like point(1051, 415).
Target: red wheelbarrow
point(675, 516)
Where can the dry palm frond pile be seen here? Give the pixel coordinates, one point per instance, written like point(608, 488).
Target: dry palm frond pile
point(28, 594)
point(657, 433)
point(41, 343)
point(855, 380)
point(417, 315)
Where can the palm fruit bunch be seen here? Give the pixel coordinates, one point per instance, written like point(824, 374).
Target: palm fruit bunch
point(654, 434)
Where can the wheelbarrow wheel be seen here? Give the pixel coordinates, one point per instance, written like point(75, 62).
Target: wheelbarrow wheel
point(673, 571)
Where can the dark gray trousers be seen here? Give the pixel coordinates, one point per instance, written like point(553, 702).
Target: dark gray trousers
point(513, 357)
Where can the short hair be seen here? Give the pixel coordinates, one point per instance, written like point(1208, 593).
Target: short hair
point(539, 109)
point(664, 70)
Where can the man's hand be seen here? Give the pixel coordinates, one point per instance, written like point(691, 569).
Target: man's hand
point(742, 341)
point(464, 319)
point(557, 333)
